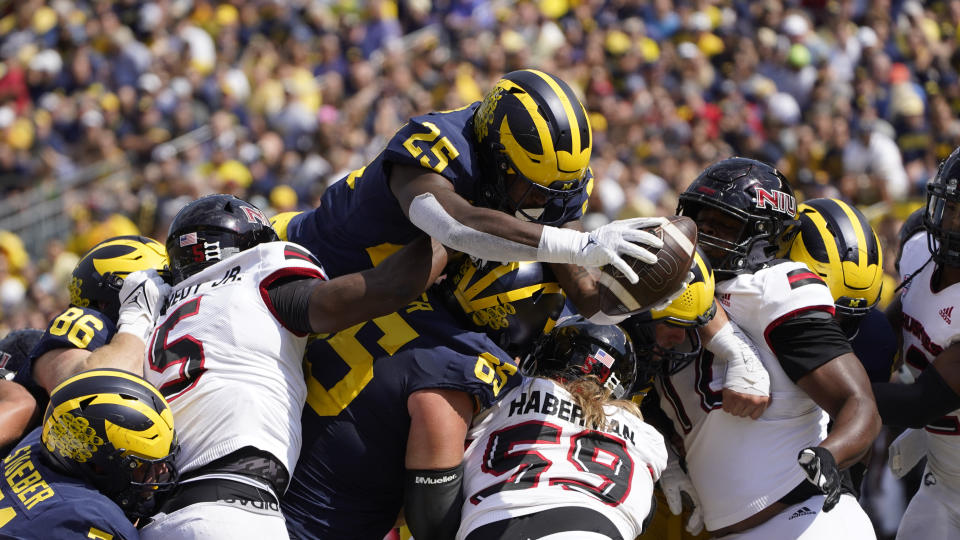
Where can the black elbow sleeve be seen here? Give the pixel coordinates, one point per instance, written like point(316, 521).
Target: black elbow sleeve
point(432, 502)
point(915, 405)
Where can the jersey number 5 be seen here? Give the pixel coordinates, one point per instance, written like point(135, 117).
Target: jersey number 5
point(184, 354)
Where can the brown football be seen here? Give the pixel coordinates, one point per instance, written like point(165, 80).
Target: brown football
point(657, 281)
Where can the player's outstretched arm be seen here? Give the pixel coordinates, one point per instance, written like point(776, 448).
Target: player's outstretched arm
point(935, 393)
point(431, 203)
point(354, 298)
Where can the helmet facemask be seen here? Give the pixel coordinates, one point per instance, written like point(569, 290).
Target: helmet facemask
point(517, 195)
point(942, 220)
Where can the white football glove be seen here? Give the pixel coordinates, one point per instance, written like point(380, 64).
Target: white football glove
point(675, 483)
point(603, 245)
point(141, 299)
point(744, 372)
point(906, 451)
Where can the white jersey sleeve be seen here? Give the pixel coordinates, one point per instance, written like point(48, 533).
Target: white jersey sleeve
point(927, 329)
point(531, 452)
point(228, 367)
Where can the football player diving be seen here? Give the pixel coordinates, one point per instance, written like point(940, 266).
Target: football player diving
point(390, 400)
point(930, 266)
point(503, 179)
point(101, 460)
point(747, 217)
point(231, 332)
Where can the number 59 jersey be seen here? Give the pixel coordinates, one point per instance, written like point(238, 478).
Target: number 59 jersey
point(228, 367)
point(530, 452)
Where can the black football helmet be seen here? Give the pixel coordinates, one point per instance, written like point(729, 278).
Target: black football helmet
point(514, 303)
point(98, 276)
point(942, 215)
point(15, 350)
point(114, 430)
point(758, 197)
point(211, 229)
point(691, 310)
point(532, 128)
point(577, 348)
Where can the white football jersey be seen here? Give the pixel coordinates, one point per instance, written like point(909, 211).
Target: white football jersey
point(530, 452)
point(740, 466)
point(927, 330)
point(230, 370)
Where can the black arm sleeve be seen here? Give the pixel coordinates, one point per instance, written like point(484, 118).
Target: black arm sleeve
point(918, 404)
point(806, 342)
point(291, 301)
point(432, 502)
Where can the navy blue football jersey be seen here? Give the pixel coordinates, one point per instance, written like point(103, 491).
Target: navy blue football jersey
point(348, 483)
point(39, 502)
point(875, 345)
point(359, 222)
point(74, 328)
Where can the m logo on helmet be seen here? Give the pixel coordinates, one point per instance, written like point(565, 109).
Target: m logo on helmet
point(777, 200)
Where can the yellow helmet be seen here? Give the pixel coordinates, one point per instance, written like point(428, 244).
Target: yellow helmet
point(97, 278)
point(114, 430)
point(514, 303)
point(532, 126)
point(691, 310)
point(838, 244)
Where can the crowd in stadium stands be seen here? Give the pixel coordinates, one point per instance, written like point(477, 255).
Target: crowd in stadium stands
point(848, 98)
point(168, 100)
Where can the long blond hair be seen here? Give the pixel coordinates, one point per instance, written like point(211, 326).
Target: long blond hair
point(591, 396)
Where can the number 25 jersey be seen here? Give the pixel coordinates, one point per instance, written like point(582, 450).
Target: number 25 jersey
point(228, 367)
point(530, 452)
point(359, 221)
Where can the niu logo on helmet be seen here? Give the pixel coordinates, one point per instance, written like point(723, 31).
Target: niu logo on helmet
point(777, 200)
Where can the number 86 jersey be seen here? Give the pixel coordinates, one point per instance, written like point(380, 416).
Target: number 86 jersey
point(531, 452)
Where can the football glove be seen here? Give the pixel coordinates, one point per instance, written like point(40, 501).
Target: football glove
point(603, 245)
point(675, 483)
point(821, 469)
point(141, 298)
point(906, 451)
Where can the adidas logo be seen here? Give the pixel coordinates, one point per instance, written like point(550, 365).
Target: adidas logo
point(945, 313)
point(804, 511)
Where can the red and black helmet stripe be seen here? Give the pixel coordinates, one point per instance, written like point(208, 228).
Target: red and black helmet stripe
point(801, 276)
